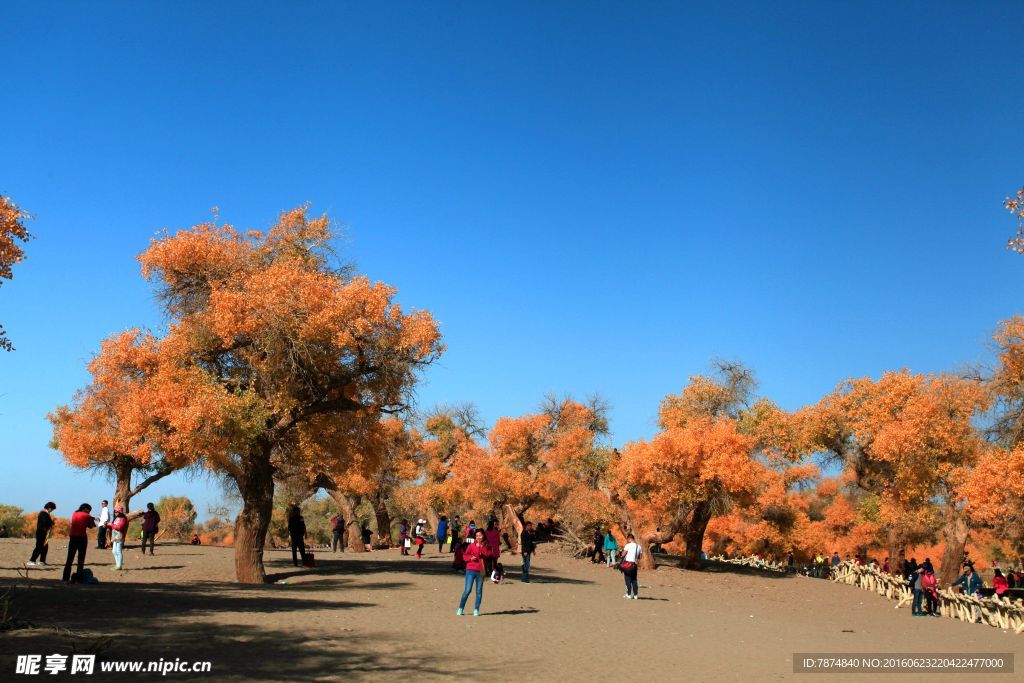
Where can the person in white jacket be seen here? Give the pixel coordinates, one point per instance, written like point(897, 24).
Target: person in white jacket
point(631, 555)
point(104, 520)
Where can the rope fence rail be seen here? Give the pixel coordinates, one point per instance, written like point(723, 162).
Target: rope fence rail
point(995, 611)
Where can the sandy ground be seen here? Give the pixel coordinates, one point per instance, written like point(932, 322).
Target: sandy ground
point(378, 615)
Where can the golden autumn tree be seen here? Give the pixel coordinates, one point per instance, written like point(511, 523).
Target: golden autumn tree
point(368, 468)
point(714, 453)
point(909, 439)
point(542, 462)
point(138, 417)
point(13, 234)
point(299, 350)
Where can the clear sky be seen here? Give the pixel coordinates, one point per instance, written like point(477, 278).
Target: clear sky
point(597, 196)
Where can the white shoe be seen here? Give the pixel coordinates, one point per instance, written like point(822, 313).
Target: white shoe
point(30, 563)
point(626, 596)
point(636, 597)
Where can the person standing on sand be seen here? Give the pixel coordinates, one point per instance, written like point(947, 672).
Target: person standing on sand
point(118, 529)
point(101, 526)
point(44, 523)
point(527, 546)
point(631, 554)
point(297, 535)
point(337, 524)
point(456, 529)
point(611, 546)
point(493, 536)
point(81, 521)
point(419, 536)
point(474, 555)
point(442, 533)
point(150, 528)
point(403, 537)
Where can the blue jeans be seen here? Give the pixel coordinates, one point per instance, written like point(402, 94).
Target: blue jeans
point(918, 597)
point(526, 566)
point(632, 588)
point(473, 576)
point(118, 548)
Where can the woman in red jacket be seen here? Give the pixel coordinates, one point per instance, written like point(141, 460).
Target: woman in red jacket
point(81, 522)
point(999, 582)
point(474, 555)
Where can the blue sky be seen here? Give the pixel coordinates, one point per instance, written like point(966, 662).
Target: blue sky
point(595, 196)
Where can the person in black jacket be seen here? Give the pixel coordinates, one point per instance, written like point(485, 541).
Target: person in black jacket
point(44, 523)
point(297, 532)
point(527, 546)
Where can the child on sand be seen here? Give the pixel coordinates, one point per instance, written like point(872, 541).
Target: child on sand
point(474, 555)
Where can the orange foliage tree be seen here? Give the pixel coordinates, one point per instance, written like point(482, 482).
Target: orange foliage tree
point(542, 462)
point(138, 416)
point(909, 439)
point(716, 451)
point(13, 234)
point(302, 354)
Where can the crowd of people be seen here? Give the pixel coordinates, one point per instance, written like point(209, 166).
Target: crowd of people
point(112, 524)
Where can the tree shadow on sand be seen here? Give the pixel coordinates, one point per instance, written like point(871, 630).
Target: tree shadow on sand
point(358, 566)
point(200, 622)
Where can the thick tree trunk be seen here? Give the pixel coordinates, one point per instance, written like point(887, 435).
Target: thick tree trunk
point(380, 511)
point(353, 534)
point(256, 487)
point(955, 533)
point(432, 518)
point(896, 548)
point(511, 527)
point(694, 535)
point(122, 483)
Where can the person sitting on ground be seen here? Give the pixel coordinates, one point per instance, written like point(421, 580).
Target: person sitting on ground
point(196, 540)
point(367, 535)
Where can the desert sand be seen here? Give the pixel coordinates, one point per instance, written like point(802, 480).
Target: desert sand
point(379, 615)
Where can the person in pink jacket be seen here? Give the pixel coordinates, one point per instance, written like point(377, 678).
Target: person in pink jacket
point(493, 535)
point(475, 554)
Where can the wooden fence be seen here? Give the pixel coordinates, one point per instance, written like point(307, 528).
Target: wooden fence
point(999, 612)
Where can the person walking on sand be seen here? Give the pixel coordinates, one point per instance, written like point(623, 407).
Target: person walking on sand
point(474, 556)
point(118, 530)
point(527, 546)
point(611, 546)
point(442, 533)
point(297, 535)
point(419, 534)
point(150, 528)
point(101, 526)
point(631, 554)
point(44, 524)
point(81, 521)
